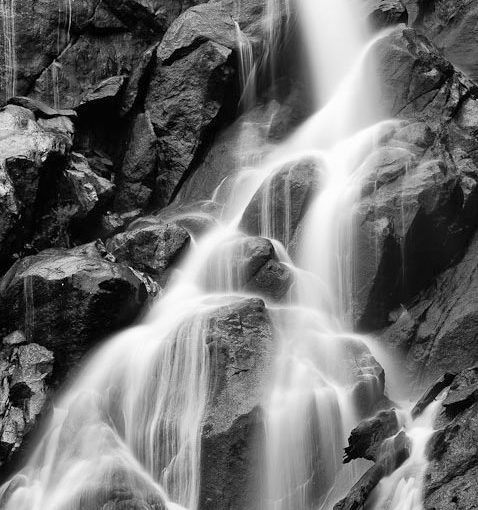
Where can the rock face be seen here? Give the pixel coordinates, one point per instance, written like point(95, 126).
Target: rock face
point(153, 249)
point(67, 300)
point(451, 478)
point(249, 264)
point(24, 371)
point(451, 25)
point(418, 208)
point(30, 156)
point(240, 339)
point(436, 331)
point(286, 195)
point(184, 98)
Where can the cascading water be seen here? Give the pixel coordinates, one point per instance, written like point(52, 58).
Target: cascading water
point(134, 417)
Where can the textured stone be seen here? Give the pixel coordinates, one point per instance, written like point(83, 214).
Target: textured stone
point(154, 250)
point(67, 300)
point(241, 344)
point(184, 99)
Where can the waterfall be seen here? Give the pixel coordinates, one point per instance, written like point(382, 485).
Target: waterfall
point(7, 12)
point(134, 416)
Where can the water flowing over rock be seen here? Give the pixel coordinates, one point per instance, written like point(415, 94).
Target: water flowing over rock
point(274, 173)
point(418, 210)
point(289, 192)
point(154, 250)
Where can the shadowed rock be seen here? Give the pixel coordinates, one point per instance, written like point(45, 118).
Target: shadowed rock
point(154, 250)
point(450, 481)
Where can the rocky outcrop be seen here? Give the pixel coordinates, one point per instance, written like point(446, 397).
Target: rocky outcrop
point(240, 340)
point(154, 250)
point(248, 264)
point(436, 331)
point(286, 195)
point(366, 439)
point(450, 481)
point(382, 13)
point(392, 453)
point(67, 300)
point(32, 152)
point(451, 25)
point(418, 209)
point(24, 372)
point(184, 99)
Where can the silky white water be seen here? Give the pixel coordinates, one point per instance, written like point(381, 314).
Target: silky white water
point(133, 418)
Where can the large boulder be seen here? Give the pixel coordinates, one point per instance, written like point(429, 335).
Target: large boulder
point(450, 481)
point(286, 195)
point(154, 249)
point(183, 100)
point(67, 300)
point(247, 264)
point(240, 340)
point(212, 21)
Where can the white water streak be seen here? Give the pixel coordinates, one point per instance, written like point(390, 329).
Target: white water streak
point(8, 15)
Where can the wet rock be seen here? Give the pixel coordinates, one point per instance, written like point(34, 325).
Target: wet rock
point(183, 100)
point(250, 264)
point(430, 395)
point(67, 300)
point(212, 21)
point(420, 222)
point(139, 166)
point(90, 69)
point(30, 158)
point(85, 189)
point(441, 323)
point(386, 12)
point(358, 495)
point(240, 341)
point(368, 378)
point(289, 191)
point(451, 25)
point(40, 109)
point(238, 146)
point(390, 459)
point(137, 81)
point(105, 90)
point(366, 439)
point(42, 31)
point(24, 372)
point(450, 481)
point(154, 250)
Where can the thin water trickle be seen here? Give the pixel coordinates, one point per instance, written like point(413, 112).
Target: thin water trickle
point(8, 18)
point(135, 414)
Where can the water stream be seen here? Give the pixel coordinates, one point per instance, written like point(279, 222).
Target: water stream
point(7, 15)
point(135, 412)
